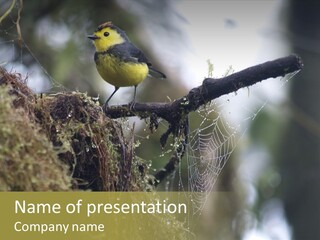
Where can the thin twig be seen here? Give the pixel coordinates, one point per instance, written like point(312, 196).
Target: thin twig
point(8, 11)
point(20, 39)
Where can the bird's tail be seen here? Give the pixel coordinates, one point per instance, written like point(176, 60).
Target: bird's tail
point(156, 73)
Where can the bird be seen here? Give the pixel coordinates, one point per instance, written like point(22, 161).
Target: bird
point(118, 61)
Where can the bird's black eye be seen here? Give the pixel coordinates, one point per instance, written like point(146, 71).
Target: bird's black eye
point(106, 34)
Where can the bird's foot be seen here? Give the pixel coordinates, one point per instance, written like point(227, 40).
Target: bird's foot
point(132, 105)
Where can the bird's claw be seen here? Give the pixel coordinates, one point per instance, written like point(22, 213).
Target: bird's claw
point(132, 105)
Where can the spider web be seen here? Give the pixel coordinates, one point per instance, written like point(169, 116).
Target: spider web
point(210, 146)
point(214, 139)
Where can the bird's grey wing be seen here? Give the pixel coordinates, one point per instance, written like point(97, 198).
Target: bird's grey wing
point(131, 53)
point(137, 54)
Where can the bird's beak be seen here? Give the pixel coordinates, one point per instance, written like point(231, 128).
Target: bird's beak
point(93, 37)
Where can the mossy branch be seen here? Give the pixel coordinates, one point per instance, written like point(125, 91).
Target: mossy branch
point(210, 89)
point(176, 112)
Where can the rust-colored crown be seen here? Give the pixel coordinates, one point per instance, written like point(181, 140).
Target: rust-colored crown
point(110, 25)
point(104, 25)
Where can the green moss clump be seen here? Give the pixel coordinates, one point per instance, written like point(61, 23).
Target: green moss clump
point(62, 141)
point(27, 159)
point(92, 145)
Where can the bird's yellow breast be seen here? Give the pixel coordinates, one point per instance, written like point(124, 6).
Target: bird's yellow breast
point(120, 73)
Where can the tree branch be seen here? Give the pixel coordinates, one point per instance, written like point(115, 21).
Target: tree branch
point(210, 89)
point(176, 112)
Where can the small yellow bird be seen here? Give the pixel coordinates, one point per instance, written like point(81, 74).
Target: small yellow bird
point(118, 61)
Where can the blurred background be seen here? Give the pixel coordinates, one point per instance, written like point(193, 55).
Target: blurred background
point(269, 188)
